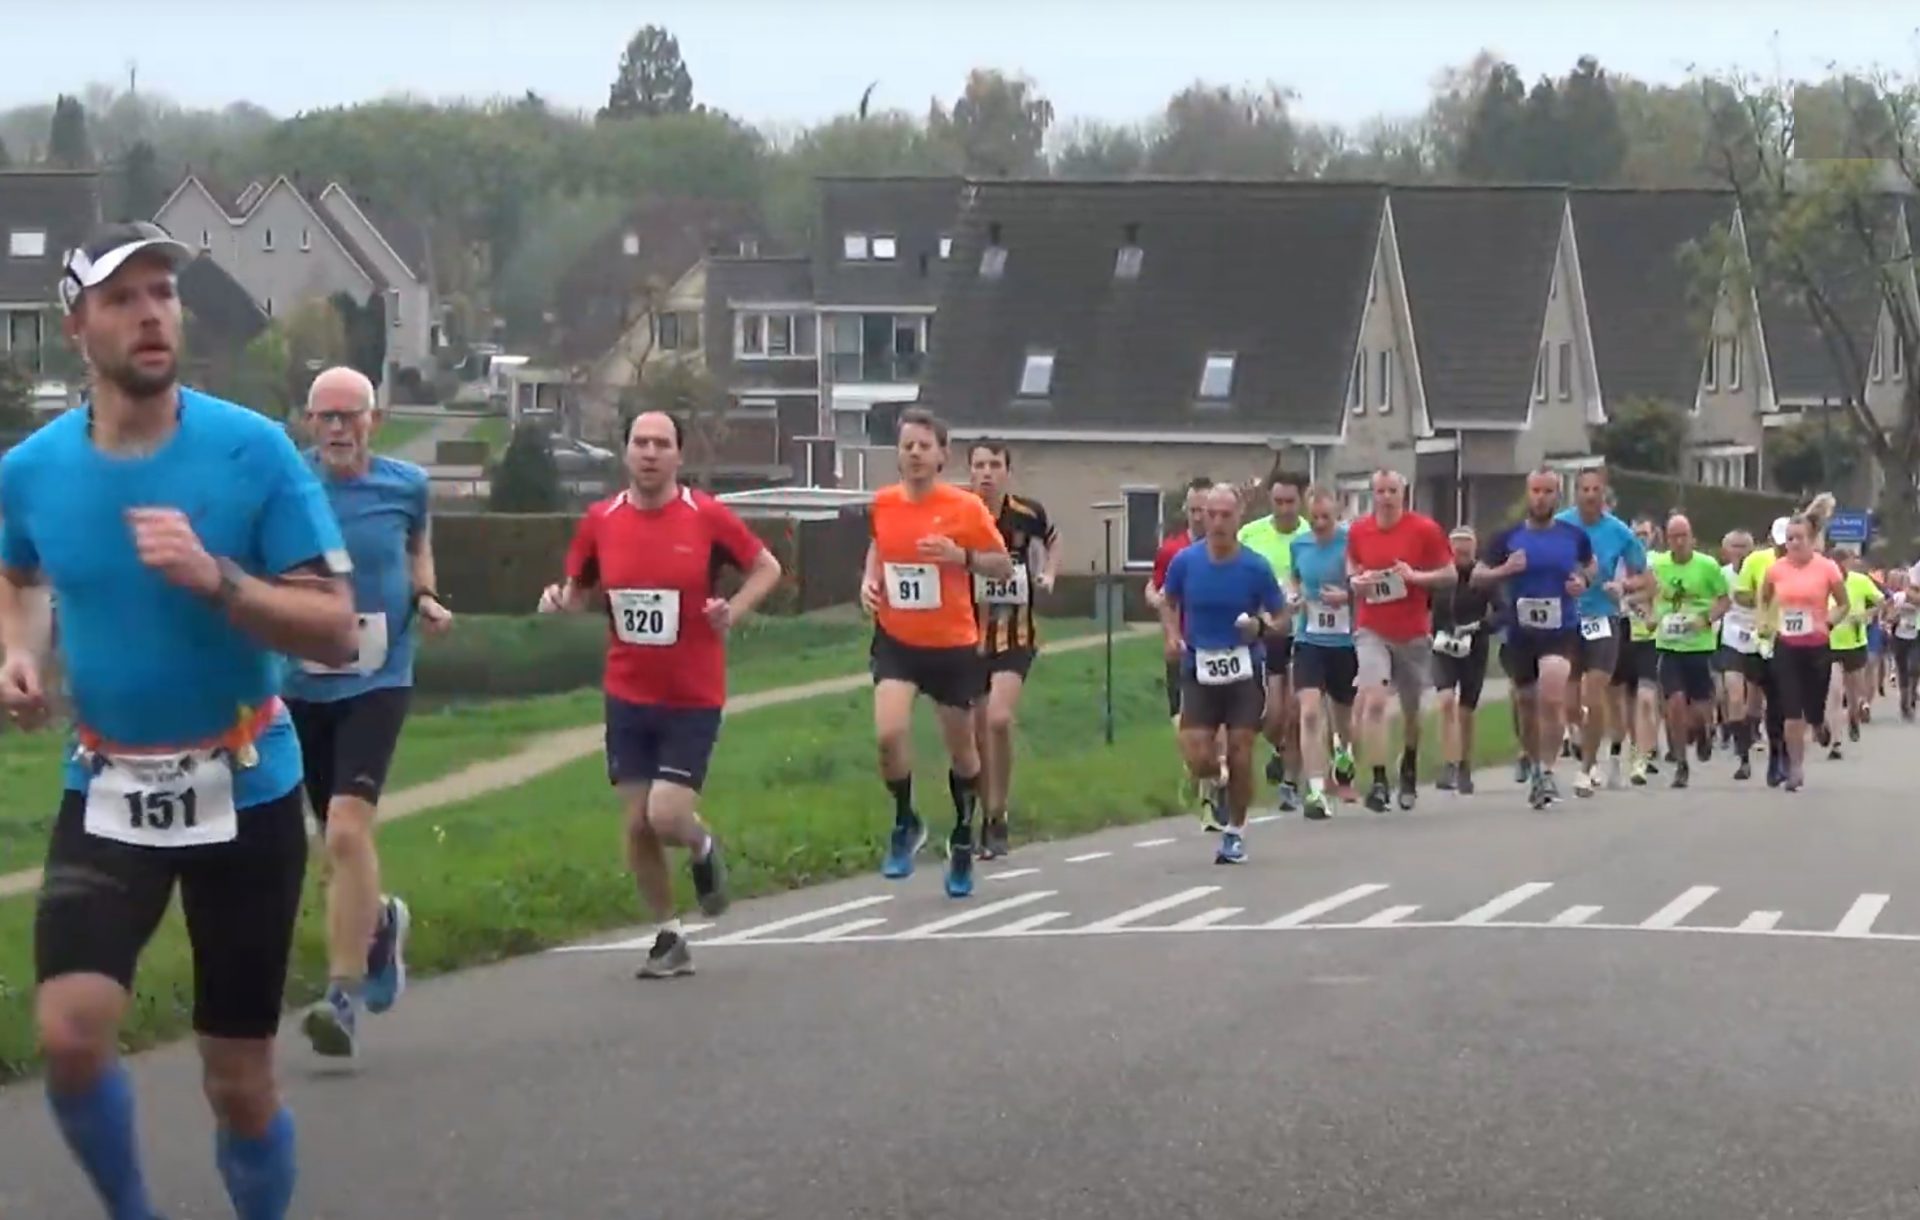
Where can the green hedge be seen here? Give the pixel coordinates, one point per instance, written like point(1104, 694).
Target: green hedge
point(1714, 511)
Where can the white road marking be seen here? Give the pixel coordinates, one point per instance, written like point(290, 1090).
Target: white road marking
point(1155, 842)
point(1313, 910)
point(841, 929)
point(1263, 819)
point(1760, 921)
point(1114, 923)
point(973, 913)
point(1574, 916)
point(1086, 856)
point(1011, 873)
point(1206, 919)
point(1504, 903)
point(637, 942)
point(1858, 921)
point(794, 921)
point(1669, 916)
point(1028, 924)
point(1386, 918)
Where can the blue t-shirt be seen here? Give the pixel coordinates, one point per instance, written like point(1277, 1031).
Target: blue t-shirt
point(1317, 564)
point(1554, 553)
point(1212, 594)
point(149, 663)
point(380, 512)
point(1616, 552)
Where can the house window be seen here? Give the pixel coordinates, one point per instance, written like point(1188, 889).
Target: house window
point(750, 335)
point(1899, 357)
point(1566, 371)
point(1712, 380)
point(630, 244)
point(946, 245)
point(1126, 264)
point(393, 306)
point(1874, 369)
point(266, 239)
point(1383, 392)
point(1216, 377)
point(780, 335)
point(853, 247)
point(886, 246)
point(1540, 374)
point(666, 332)
point(1145, 514)
point(1357, 383)
point(750, 248)
point(1036, 377)
point(269, 307)
point(993, 262)
point(1356, 497)
point(206, 239)
point(306, 239)
point(27, 243)
point(1732, 346)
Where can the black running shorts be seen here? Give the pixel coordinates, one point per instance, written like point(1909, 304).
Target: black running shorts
point(951, 677)
point(1800, 677)
point(647, 742)
point(1327, 668)
point(1687, 673)
point(346, 745)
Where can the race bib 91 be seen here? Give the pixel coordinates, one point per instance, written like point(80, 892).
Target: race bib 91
point(649, 618)
point(1222, 666)
point(912, 586)
point(168, 800)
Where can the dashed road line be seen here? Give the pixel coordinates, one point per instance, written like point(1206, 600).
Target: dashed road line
point(974, 914)
point(794, 921)
point(1011, 873)
point(1760, 921)
point(1505, 902)
point(1686, 904)
point(1858, 921)
point(1206, 919)
point(1085, 856)
point(1314, 910)
point(1388, 917)
point(841, 929)
point(1573, 917)
point(1114, 923)
point(1155, 842)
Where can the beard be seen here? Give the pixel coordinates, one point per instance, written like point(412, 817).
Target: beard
point(136, 382)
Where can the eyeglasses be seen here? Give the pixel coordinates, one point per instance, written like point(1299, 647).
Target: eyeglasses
point(329, 418)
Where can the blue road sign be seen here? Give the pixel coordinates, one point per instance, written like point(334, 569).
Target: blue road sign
point(1848, 529)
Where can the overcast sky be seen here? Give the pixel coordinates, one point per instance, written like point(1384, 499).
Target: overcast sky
point(775, 61)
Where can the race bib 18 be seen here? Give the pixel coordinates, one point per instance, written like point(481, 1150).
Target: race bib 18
point(1538, 613)
point(1323, 619)
point(1385, 587)
point(1010, 590)
point(1222, 666)
point(1596, 627)
point(168, 800)
point(647, 617)
point(370, 637)
point(912, 586)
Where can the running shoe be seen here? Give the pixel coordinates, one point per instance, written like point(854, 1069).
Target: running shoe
point(668, 957)
point(1551, 784)
point(1853, 729)
point(1744, 770)
point(1833, 751)
point(994, 839)
point(1703, 747)
point(1682, 774)
point(1584, 782)
point(1233, 849)
point(1776, 769)
point(1523, 771)
point(709, 881)
point(1448, 771)
point(1637, 775)
point(960, 863)
point(1315, 805)
point(1379, 796)
point(1289, 798)
point(1409, 794)
point(1343, 768)
point(1537, 792)
point(387, 956)
point(1276, 770)
point(906, 841)
point(332, 1025)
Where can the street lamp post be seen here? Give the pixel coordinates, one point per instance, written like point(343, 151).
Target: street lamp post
point(1109, 606)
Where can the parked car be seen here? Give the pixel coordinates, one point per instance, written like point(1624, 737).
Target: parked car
point(578, 459)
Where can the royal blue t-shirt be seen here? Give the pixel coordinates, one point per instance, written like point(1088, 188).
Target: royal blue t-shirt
point(1554, 553)
point(1317, 564)
point(1213, 593)
point(149, 663)
point(1616, 552)
point(380, 513)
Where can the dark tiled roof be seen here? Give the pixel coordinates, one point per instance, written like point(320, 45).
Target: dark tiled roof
point(1478, 263)
point(219, 304)
point(601, 294)
point(778, 280)
point(66, 203)
point(764, 280)
point(1274, 272)
point(916, 211)
point(1639, 295)
point(1801, 365)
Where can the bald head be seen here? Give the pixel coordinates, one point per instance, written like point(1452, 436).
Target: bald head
point(341, 415)
point(340, 389)
point(1222, 508)
point(1680, 536)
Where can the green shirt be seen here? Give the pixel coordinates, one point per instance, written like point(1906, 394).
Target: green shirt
point(1639, 607)
point(1683, 598)
point(1862, 596)
point(1264, 538)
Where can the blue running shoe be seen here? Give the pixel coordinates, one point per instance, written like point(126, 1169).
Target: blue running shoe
point(387, 956)
point(960, 866)
point(1233, 849)
point(332, 1026)
point(907, 840)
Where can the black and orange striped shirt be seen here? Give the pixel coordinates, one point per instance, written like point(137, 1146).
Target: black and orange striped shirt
point(1005, 607)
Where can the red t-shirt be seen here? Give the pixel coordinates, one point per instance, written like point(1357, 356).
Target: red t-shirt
point(1172, 545)
point(1415, 539)
point(657, 568)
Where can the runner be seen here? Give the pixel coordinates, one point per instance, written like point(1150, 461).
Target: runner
point(1009, 634)
point(1746, 594)
point(1271, 537)
point(1741, 665)
point(1903, 630)
point(1463, 623)
point(1547, 565)
point(1220, 599)
point(1324, 663)
point(1691, 596)
point(349, 717)
point(1620, 562)
point(648, 557)
point(1850, 691)
point(1636, 680)
point(930, 540)
point(1796, 594)
point(1209, 795)
point(189, 548)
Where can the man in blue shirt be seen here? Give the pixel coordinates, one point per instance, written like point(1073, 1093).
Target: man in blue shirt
point(1620, 565)
point(349, 716)
point(1325, 665)
point(1227, 596)
point(186, 544)
point(1547, 565)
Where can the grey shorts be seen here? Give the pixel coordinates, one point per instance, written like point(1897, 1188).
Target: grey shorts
point(1405, 665)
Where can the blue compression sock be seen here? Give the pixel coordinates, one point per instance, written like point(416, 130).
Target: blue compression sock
point(259, 1172)
point(98, 1126)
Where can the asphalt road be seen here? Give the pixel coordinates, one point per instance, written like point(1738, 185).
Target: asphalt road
point(1648, 1005)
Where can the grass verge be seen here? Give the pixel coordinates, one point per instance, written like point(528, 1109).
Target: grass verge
point(494, 431)
point(792, 793)
point(396, 430)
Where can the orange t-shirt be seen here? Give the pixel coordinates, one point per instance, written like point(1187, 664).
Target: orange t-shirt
point(925, 604)
point(1800, 594)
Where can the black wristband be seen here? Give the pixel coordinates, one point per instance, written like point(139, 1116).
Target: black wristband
point(420, 595)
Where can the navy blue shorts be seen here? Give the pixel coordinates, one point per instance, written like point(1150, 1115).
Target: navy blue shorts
point(646, 743)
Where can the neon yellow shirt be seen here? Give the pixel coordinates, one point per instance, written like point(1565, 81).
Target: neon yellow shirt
point(1862, 596)
point(1640, 620)
point(1264, 538)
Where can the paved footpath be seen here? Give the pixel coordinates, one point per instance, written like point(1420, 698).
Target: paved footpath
point(1646, 1006)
